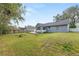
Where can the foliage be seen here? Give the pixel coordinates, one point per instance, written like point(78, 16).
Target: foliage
point(8, 12)
point(58, 17)
point(69, 13)
point(67, 46)
point(72, 25)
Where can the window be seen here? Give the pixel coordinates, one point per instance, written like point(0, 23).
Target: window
point(38, 28)
point(49, 27)
point(44, 28)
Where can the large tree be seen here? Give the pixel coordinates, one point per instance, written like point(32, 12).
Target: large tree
point(71, 13)
point(58, 17)
point(8, 12)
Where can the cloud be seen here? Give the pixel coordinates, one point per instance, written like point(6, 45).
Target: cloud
point(30, 11)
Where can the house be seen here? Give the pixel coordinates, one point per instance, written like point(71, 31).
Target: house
point(21, 29)
point(58, 26)
point(30, 28)
point(13, 29)
point(27, 29)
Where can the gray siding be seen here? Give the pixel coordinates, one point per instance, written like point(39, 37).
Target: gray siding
point(58, 29)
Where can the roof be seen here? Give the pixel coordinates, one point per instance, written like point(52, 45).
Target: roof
point(58, 23)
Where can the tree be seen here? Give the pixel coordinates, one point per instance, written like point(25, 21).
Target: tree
point(58, 17)
point(8, 12)
point(70, 13)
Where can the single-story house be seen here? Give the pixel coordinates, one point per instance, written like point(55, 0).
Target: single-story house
point(13, 29)
point(27, 29)
point(58, 26)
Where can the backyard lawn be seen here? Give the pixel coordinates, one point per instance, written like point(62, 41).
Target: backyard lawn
point(47, 44)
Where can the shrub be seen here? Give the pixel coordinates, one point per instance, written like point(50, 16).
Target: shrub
point(67, 46)
point(20, 35)
point(72, 25)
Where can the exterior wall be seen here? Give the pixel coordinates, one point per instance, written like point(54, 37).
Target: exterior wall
point(40, 30)
point(75, 29)
point(64, 28)
point(58, 29)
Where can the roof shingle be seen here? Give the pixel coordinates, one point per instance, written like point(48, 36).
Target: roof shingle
point(59, 23)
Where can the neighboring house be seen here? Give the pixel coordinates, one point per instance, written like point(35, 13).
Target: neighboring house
point(27, 29)
point(13, 29)
point(58, 26)
point(30, 28)
point(22, 29)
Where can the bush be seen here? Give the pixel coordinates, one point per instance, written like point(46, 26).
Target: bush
point(20, 35)
point(67, 46)
point(72, 25)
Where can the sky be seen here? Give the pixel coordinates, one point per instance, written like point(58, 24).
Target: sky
point(42, 12)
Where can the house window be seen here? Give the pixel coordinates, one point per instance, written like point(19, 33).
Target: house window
point(49, 27)
point(44, 28)
point(38, 28)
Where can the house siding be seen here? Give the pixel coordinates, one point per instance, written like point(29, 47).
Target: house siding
point(60, 26)
point(58, 29)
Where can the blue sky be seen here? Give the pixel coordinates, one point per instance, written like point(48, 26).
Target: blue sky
point(42, 12)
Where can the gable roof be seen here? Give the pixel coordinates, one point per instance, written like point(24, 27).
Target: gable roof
point(58, 23)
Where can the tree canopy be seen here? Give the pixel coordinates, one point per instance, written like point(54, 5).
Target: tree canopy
point(71, 13)
point(8, 12)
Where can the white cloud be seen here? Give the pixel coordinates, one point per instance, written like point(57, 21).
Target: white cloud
point(30, 11)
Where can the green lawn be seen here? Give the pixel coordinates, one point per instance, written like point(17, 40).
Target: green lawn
point(47, 44)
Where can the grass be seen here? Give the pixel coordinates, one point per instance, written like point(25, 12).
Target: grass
point(48, 44)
